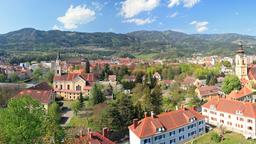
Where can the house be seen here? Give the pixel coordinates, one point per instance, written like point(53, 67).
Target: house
point(41, 92)
point(246, 94)
point(94, 137)
point(234, 115)
point(187, 82)
point(206, 92)
point(70, 86)
point(170, 127)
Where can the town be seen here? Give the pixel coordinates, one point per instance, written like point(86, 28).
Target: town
point(127, 72)
point(125, 100)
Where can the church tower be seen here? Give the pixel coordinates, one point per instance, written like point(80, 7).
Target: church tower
point(58, 70)
point(241, 63)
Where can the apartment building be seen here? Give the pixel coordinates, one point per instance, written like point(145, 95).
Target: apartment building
point(167, 128)
point(234, 115)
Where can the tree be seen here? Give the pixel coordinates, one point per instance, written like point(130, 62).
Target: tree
point(211, 79)
point(22, 121)
point(215, 137)
point(81, 100)
point(226, 64)
point(96, 96)
point(231, 82)
point(75, 106)
point(37, 74)
point(14, 77)
point(2, 77)
point(170, 73)
point(53, 131)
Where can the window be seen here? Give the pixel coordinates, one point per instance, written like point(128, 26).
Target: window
point(172, 141)
point(205, 110)
point(181, 138)
point(249, 121)
point(60, 86)
point(147, 141)
point(56, 86)
point(159, 137)
point(181, 130)
point(200, 122)
point(78, 88)
point(68, 87)
point(221, 121)
point(229, 116)
point(249, 128)
point(241, 119)
point(201, 129)
point(221, 114)
point(172, 133)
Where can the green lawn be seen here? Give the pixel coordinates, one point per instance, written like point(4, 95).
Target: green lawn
point(229, 138)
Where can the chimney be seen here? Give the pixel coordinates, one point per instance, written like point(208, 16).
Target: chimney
point(105, 132)
point(152, 114)
point(145, 114)
point(135, 123)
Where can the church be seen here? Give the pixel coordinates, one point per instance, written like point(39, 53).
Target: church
point(72, 79)
point(244, 71)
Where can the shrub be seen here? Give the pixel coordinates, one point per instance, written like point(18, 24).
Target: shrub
point(215, 137)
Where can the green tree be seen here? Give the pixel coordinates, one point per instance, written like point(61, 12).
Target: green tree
point(211, 79)
point(170, 73)
point(75, 106)
point(215, 137)
point(37, 74)
point(227, 64)
point(22, 121)
point(231, 82)
point(81, 100)
point(48, 76)
point(53, 131)
point(2, 77)
point(96, 95)
point(14, 77)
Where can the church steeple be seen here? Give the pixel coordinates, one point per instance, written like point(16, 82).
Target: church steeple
point(241, 63)
point(58, 70)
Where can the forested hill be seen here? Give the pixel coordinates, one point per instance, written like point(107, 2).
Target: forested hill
point(169, 43)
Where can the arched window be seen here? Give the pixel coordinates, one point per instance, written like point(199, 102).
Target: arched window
point(60, 86)
point(68, 87)
point(78, 88)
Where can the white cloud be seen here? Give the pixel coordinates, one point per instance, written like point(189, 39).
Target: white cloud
point(173, 15)
point(200, 26)
point(131, 8)
point(76, 16)
point(138, 21)
point(56, 27)
point(186, 3)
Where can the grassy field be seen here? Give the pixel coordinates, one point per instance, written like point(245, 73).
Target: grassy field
point(229, 138)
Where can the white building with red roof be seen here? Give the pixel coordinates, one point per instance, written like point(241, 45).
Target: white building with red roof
point(234, 115)
point(246, 94)
point(170, 127)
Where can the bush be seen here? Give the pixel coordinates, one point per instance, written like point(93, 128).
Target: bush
point(215, 137)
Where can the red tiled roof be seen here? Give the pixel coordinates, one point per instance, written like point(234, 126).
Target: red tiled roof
point(232, 106)
point(96, 138)
point(168, 120)
point(43, 96)
point(189, 80)
point(66, 77)
point(208, 90)
point(236, 94)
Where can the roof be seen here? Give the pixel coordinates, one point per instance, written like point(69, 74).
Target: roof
point(71, 76)
point(232, 106)
point(168, 120)
point(95, 138)
point(43, 96)
point(208, 90)
point(252, 72)
point(189, 80)
point(236, 94)
point(41, 86)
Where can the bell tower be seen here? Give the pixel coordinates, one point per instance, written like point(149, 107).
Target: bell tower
point(241, 68)
point(58, 70)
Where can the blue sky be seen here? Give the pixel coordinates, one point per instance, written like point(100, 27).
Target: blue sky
point(121, 16)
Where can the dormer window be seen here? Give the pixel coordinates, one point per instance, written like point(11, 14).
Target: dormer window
point(192, 119)
point(161, 129)
point(238, 112)
point(212, 107)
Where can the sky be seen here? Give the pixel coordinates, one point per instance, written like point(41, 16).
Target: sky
point(122, 16)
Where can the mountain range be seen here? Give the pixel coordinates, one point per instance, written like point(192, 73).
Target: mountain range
point(135, 43)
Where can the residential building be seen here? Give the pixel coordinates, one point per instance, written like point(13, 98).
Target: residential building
point(233, 115)
point(41, 92)
point(246, 94)
point(167, 128)
point(207, 92)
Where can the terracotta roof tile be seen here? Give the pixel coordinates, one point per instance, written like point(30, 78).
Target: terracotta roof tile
point(232, 106)
point(43, 96)
point(236, 94)
point(168, 120)
point(208, 90)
